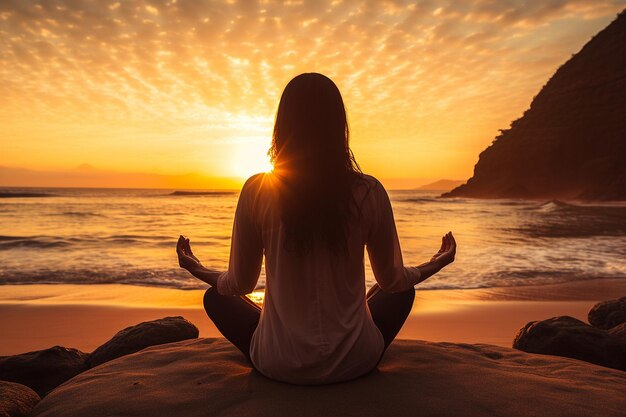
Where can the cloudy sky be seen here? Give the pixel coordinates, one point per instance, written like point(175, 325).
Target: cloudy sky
point(179, 86)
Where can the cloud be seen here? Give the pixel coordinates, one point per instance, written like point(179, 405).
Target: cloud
point(432, 73)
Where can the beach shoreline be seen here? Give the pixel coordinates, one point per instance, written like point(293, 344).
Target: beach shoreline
point(38, 316)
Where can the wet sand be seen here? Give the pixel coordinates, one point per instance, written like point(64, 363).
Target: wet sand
point(35, 317)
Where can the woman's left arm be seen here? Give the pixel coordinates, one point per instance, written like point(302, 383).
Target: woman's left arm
point(444, 257)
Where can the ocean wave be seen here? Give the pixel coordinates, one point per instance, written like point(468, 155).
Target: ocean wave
point(582, 231)
point(559, 206)
point(155, 240)
point(516, 283)
point(506, 242)
point(80, 214)
point(5, 194)
point(514, 202)
point(176, 279)
point(9, 238)
point(418, 200)
point(147, 237)
point(158, 277)
point(52, 242)
point(201, 193)
point(429, 199)
point(560, 219)
point(552, 205)
point(43, 242)
point(169, 278)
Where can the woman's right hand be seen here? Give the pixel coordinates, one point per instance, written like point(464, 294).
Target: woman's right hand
point(186, 259)
point(446, 253)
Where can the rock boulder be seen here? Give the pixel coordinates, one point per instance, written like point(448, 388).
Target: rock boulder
point(210, 377)
point(608, 314)
point(43, 370)
point(572, 338)
point(140, 336)
point(619, 332)
point(16, 400)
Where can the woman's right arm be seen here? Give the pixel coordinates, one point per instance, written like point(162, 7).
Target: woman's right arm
point(187, 260)
point(385, 255)
point(246, 251)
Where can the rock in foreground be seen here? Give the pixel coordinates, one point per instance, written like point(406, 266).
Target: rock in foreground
point(43, 370)
point(608, 314)
point(149, 333)
point(16, 400)
point(619, 332)
point(572, 338)
point(209, 377)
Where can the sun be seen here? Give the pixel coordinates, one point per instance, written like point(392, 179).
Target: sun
point(251, 157)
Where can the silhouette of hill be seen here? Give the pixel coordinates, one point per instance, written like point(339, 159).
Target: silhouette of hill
point(441, 185)
point(571, 142)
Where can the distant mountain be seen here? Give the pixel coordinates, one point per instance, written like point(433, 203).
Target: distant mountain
point(571, 142)
point(441, 185)
point(403, 183)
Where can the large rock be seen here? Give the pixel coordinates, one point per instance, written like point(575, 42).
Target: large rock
point(16, 400)
point(619, 332)
point(43, 370)
point(608, 314)
point(140, 336)
point(572, 338)
point(210, 377)
point(570, 143)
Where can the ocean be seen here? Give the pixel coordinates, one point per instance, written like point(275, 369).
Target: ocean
point(95, 236)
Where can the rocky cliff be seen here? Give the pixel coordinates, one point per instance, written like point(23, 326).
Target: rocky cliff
point(571, 142)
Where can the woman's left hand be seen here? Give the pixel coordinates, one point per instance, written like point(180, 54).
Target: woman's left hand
point(447, 252)
point(186, 259)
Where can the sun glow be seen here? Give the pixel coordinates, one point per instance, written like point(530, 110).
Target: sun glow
point(251, 158)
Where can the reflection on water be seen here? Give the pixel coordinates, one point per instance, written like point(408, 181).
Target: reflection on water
point(129, 236)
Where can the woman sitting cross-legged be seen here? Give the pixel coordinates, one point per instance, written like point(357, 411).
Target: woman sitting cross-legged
point(311, 218)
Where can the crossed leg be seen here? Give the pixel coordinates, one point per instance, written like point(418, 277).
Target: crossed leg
point(237, 317)
point(389, 310)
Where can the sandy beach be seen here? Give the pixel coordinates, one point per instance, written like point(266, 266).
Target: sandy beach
point(36, 317)
point(446, 342)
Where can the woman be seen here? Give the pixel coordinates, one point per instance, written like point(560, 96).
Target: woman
point(311, 217)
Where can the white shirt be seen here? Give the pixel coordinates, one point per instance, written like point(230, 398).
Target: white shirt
point(315, 325)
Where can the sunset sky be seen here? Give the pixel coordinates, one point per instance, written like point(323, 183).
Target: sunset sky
point(178, 87)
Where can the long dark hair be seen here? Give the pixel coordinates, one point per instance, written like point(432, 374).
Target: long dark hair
point(313, 163)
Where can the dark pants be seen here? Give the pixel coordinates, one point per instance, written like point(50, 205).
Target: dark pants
point(236, 317)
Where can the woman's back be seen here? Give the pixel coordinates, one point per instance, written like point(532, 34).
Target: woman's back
point(311, 218)
point(315, 326)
